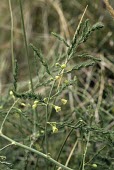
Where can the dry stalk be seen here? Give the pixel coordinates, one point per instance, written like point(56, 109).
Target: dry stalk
point(63, 22)
point(109, 8)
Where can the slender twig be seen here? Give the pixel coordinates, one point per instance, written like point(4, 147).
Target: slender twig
point(75, 144)
point(109, 7)
point(1, 128)
point(47, 119)
point(12, 37)
point(46, 136)
point(70, 54)
point(34, 122)
point(84, 155)
point(5, 147)
point(26, 46)
point(102, 85)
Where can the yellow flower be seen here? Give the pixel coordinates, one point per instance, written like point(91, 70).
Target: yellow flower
point(64, 101)
point(53, 125)
point(12, 95)
point(54, 128)
point(57, 108)
point(35, 104)
point(23, 104)
point(57, 77)
point(63, 66)
point(45, 100)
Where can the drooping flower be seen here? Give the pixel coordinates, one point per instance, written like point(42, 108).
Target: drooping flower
point(64, 101)
point(57, 108)
point(35, 104)
point(54, 128)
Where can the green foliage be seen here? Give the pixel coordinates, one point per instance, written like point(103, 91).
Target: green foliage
point(28, 96)
point(60, 38)
point(40, 56)
point(87, 30)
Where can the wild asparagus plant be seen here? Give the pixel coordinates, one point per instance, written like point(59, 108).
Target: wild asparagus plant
point(56, 83)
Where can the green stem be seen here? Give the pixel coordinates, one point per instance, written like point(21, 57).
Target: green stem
point(84, 155)
point(49, 99)
point(26, 46)
point(46, 136)
point(35, 151)
point(12, 37)
point(47, 119)
point(34, 119)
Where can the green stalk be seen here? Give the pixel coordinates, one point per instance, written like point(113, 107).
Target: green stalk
point(46, 137)
point(34, 122)
point(26, 46)
point(84, 155)
point(12, 37)
point(47, 119)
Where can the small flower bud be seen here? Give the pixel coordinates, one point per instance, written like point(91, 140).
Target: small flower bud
point(57, 77)
point(42, 131)
point(64, 101)
point(45, 100)
point(35, 104)
point(12, 95)
point(63, 66)
point(51, 78)
point(57, 64)
point(94, 165)
point(19, 110)
point(23, 104)
point(66, 82)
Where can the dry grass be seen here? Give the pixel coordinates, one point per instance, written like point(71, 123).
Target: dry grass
point(109, 8)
